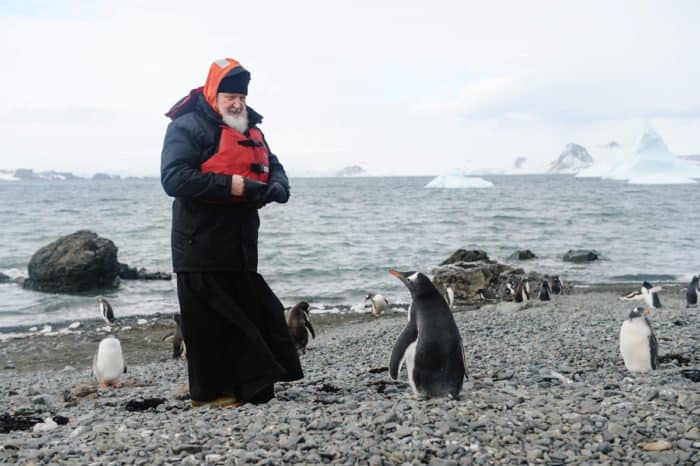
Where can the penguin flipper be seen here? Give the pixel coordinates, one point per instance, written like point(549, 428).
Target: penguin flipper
point(408, 336)
point(654, 350)
point(311, 329)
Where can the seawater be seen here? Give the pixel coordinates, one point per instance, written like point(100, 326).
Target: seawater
point(337, 238)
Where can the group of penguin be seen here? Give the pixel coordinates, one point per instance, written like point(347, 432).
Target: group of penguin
point(430, 345)
point(519, 290)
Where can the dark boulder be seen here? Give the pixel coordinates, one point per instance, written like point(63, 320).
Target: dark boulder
point(4, 278)
point(464, 255)
point(580, 256)
point(81, 261)
point(522, 255)
point(132, 273)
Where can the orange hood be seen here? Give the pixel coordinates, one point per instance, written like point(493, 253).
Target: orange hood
point(217, 71)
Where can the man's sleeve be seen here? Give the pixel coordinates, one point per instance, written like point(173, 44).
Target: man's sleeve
point(179, 167)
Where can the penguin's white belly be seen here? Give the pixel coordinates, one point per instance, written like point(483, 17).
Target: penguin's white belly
point(634, 345)
point(109, 362)
point(409, 358)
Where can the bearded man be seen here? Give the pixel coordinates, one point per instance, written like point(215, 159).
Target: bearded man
point(217, 165)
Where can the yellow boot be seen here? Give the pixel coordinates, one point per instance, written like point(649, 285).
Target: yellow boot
point(226, 401)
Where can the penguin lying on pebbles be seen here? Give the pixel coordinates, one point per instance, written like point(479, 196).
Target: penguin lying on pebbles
point(638, 345)
point(691, 293)
point(108, 362)
point(298, 322)
point(487, 294)
point(430, 344)
point(379, 303)
point(647, 292)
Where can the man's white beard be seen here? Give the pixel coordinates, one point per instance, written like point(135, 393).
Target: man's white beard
point(239, 122)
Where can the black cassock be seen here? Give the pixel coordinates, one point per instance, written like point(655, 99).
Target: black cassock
point(237, 339)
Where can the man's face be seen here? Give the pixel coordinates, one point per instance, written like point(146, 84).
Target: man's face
point(230, 103)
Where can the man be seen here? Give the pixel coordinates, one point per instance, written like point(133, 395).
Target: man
point(218, 167)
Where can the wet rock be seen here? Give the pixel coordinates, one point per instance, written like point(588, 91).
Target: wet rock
point(81, 261)
point(580, 256)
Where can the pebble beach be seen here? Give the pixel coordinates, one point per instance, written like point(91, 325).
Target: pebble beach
point(546, 385)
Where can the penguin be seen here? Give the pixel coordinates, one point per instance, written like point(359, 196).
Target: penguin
point(430, 344)
point(522, 291)
point(638, 345)
point(691, 294)
point(556, 285)
point(544, 291)
point(487, 294)
point(105, 310)
point(298, 322)
point(108, 362)
point(651, 295)
point(449, 296)
point(179, 349)
point(379, 303)
point(647, 292)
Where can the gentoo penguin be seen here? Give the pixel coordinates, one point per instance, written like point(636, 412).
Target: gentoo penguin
point(544, 291)
point(651, 295)
point(556, 285)
point(647, 292)
point(179, 349)
point(521, 291)
point(638, 343)
point(691, 294)
point(449, 296)
point(487, 294)
point(105, 310)
point(298, 322)
point(108, 362)
point(430, 344)
point(379, 303)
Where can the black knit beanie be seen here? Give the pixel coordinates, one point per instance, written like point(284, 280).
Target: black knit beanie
point(236, 82)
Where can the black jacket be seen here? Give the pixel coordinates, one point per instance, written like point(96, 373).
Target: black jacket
point(208, 236)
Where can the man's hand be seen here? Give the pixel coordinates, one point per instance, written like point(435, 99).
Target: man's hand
point(275, 192)
point(253, 191)
point(237, 185)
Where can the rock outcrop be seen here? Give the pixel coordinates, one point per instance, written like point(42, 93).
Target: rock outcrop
point(81, 261)
point(573, 159)
point(580, 256)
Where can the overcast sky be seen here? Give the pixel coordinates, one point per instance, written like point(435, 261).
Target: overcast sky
point(405, 87)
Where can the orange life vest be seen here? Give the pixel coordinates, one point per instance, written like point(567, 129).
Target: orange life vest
point(239, 154)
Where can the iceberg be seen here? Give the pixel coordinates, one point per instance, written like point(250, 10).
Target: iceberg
point(458, 181)
point(654, 163)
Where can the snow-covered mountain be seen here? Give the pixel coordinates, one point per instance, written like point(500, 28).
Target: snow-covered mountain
point(607, 157)
point(573, 159)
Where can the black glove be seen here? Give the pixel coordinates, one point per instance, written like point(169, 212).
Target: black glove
point(253, 191)
point(275, 192)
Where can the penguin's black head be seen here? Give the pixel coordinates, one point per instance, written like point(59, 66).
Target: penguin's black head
point(301, 306)
point(639, 312)
point(647, 285)
point(694, 279)
point(545, 284)
point(416, 282)
point(369, 296)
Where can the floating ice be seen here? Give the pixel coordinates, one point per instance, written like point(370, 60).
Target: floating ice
point(458, 181)
point(654, 163)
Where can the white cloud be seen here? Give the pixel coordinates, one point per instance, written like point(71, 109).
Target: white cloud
point(402, 86)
